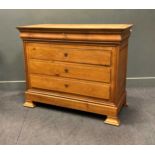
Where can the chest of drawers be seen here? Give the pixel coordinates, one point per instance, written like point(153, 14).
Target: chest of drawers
point(78, 66)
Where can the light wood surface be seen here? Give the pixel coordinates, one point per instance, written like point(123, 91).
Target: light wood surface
point(67, 53)
point(79, 66)
point(70, 70)
point(79, 26)
point(87, 88)
point(29, 104)
point(112, 121)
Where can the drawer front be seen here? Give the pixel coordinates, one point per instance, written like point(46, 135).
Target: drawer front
point(72, 70)
point(81, 87)
point(70, 53)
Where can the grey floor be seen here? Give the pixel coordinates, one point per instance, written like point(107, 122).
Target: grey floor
point(53, 125)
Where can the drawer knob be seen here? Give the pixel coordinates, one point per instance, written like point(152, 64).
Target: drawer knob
point(66, 85)
point(65, 54)
point(34, 48)
point(66, 70)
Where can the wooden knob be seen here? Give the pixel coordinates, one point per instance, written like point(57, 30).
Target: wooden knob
point(34, 48)
point(66, 85)
point(65, 54)
point(66, 70)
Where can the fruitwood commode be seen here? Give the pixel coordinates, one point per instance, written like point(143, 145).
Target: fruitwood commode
point(78, 66)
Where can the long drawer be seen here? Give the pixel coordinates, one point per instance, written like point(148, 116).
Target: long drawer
point(71, 70)
point(80, 54)
point(81, 87)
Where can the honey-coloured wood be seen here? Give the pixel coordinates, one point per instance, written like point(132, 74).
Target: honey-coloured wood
point(29, 104)
point(81, 87)
point(112, 121)
point(70, 70)
point(77, 66)
point(68, 53)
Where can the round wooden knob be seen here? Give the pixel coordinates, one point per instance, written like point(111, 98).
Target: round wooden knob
point(65, 54)
point(66, 85)
point(66, 70)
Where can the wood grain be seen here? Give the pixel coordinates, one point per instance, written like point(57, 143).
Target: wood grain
point(67, 53)
point(78, 26)
point(78, 66)
point(70, 70)
point(94, 89)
